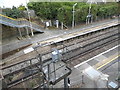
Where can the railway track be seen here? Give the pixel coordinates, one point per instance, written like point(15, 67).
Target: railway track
point(72, 47)
point(45, 51)
point(91, 53)
point(75, 57)
point(61, 38)
point(71, 59)
point(87, 47)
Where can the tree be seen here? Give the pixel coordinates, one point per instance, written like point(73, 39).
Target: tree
point(63, 11)
point(13, 13)
point(21, 8)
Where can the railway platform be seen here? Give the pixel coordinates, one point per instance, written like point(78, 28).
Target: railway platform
point(96, 72)
point(100, 71)
point(14, 44)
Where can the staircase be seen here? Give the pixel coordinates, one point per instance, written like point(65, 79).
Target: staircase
point(19, 23)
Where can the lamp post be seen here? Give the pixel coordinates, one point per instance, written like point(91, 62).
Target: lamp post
point(89, 15)
point(73, 22)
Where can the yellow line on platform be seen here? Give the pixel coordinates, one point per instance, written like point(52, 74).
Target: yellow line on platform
point(108, 61)
point(72, 34)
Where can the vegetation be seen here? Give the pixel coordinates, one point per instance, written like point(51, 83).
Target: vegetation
point(62, 11)
point(14, 12)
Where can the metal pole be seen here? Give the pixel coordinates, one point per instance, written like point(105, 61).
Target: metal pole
point(90, 8)
point(108, 83)
point(31, 68)
point(62, 25)
point(54, 70)
point(89, 18)
point(48, 74)
point(40, 60)
point(73, 15)
point(20, 33)
point(27, 31)
point(82, 79)
point(29, 19)
point(65, 83)
point(86, 20)
point(73, 19)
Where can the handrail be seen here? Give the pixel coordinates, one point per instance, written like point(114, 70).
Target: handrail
point(19, 19)
point(7, 17)
point(18, 22)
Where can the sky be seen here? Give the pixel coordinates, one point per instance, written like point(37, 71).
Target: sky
point(10, 3)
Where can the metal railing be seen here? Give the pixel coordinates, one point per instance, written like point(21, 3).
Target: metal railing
point(19, 23)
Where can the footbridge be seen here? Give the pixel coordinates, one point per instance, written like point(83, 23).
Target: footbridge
point(19, 23)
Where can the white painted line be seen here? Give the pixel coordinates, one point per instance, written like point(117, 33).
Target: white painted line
point(28, 50)
point(95, 56)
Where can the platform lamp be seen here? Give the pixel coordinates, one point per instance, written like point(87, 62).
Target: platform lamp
point(73, 22)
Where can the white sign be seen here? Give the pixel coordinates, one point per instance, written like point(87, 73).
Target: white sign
point(47, 24)
point(28, 50)
point(112, 84)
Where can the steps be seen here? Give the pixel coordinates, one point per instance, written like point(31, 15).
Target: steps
point(19, 23)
